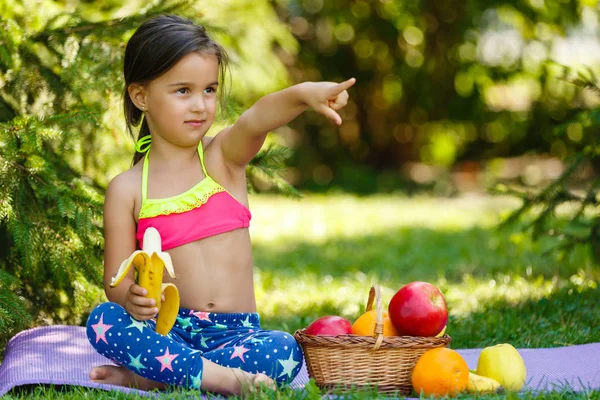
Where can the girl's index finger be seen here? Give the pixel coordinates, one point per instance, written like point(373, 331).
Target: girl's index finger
point(346, 84)
point(340, 87)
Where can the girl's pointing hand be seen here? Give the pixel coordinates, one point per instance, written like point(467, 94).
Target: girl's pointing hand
point(328, 97)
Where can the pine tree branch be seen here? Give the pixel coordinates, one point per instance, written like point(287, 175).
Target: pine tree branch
point(557, 193)
point(553, 191)
point(83, 28)
point(269, 164)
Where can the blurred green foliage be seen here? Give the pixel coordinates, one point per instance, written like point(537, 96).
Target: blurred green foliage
point(453, 85)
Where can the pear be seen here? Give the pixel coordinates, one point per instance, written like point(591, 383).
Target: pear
point(504, 364)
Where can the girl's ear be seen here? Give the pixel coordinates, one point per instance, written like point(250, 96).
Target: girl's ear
point(137, 94)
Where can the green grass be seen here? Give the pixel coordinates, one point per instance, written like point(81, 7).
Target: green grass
point(310, 393)
point(320, 256)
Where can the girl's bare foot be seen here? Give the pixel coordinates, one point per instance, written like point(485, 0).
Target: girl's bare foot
point(232, 381)
point(251, 382)
point(121, 376)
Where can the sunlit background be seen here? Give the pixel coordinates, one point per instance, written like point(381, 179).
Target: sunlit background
point(453, 98)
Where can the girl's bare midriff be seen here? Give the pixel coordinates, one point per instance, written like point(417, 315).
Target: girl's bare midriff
point(214, 278)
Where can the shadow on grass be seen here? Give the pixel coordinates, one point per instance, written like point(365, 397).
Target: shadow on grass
point(567, 317)
point(409, 254)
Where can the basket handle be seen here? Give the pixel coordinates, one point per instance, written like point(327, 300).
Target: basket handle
point(375, 294)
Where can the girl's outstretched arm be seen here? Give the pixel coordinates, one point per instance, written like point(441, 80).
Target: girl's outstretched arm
point(244, 139)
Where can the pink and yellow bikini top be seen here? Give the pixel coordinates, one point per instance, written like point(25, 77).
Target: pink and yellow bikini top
point(207, 209)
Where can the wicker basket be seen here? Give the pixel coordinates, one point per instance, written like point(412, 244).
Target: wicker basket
point(352, 361)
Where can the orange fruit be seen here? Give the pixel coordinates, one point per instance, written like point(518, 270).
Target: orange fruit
point(440, 372)
point(365, 324)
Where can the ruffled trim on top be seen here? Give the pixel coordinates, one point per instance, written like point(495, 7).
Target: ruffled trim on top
point(193, 198)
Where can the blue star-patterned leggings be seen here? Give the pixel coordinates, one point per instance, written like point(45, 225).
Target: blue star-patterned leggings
point(232, 340)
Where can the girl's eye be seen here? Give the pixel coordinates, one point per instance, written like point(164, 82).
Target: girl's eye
point(183, 90)
point(209, 90)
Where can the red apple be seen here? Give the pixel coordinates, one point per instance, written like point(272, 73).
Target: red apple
point(330, 325)
point(418, 309)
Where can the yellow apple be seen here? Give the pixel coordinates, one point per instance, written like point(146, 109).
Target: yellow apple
point(503, 363)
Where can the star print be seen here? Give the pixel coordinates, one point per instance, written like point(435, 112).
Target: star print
point(101, 328)
point(185, 322)
point(203, 340)
point(238, 351)
point(136, 324)
point(136, 363)
point(220, 326)
point(196, 380)
point(288, 365)
point(195, 332)
point(255, 340)
point(165, 360)
point(202, 316)
point(246, 322)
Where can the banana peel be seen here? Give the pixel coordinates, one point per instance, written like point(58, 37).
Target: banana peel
point(483, 385)
point(150, 263)
point(442, 332)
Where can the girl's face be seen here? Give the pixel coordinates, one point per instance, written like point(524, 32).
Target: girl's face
point(181, 103)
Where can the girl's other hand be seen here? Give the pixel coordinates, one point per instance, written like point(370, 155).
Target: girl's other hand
point(138, 306)
point(328, 97)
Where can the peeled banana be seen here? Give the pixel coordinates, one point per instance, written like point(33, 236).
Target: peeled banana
point(150, 263)
point(483, 385)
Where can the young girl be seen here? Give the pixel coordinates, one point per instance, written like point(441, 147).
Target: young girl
point(192, 189)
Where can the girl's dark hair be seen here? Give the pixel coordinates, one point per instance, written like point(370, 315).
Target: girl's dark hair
point(155, 47)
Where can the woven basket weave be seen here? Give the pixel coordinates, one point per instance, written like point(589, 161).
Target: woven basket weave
point(352, 361)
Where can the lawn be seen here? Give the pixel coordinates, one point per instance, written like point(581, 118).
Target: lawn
point(320, 255)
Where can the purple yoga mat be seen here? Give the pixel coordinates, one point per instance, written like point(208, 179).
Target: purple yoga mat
point(61, 355)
